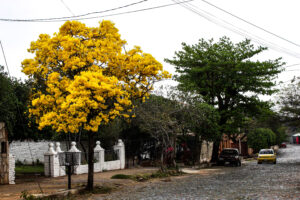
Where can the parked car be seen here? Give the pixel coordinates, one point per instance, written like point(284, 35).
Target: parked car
point(230, 155)
point(266, 155)
point(283, 145)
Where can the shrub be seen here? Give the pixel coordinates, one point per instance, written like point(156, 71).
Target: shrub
point(261, 138)
point(121, 176)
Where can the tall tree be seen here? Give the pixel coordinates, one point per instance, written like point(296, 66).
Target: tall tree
point(167, 118)
point(8, 101)
point(85, 80)
point(14, 97)
point(289, 102)
point(227, 77)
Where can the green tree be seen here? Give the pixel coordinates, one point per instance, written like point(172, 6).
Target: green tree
point(167, 118)
point(289, 102)
point(261, 138)
point(227, 77)
point(14, 97)
point(8, 101)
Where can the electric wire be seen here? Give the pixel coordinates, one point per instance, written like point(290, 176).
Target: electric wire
point(252, 24)
point(62, 19)
point(258, 38)
point(4, 58)
point(265, 43)
point(239, 31)
point(67, 7)
point(292, 65)
point(72, 17)
point(19, 113)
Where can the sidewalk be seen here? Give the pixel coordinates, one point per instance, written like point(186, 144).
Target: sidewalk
point(54, 185)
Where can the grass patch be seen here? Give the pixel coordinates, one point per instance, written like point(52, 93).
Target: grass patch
point(29, 169)
point(145, 177)
point(97, 190)
point(121, 176)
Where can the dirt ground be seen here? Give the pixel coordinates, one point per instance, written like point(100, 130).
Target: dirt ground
point(39, 184)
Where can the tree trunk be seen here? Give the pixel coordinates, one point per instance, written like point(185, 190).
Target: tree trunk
point(90, 182)
point(215, 152)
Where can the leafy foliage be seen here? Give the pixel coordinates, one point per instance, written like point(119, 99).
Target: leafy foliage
point(226, 77)
point(14, 97)
point(270, 120)
point(8, 99)
point(289, 102)
point(261, 138)
point(83, 79)
point(167, 118)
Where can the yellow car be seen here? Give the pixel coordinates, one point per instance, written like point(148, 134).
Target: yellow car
point(266, 155)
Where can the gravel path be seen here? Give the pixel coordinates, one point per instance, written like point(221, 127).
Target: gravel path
point(251, 181)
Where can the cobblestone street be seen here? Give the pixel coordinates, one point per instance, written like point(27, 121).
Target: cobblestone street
point(251, 181)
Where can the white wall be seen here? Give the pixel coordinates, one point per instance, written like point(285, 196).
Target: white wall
point(21, 150)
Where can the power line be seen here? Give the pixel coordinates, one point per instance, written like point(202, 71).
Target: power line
point(4, 58)
point(292, 70)
point(67, 7)
point(127, 12)
point(240, 31)
point(278, 36)
point(292, 65)
point(70, 17)
point(77, 17)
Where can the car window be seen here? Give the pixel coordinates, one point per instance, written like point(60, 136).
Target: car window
point(266, 152)
point(229, 152)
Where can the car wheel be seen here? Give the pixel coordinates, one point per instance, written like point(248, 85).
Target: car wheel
point(274, 162)
point(237, 163)
point(240, 164)
point(259, 162)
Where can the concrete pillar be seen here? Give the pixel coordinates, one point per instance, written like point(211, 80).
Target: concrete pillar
point(121, 147)
point(99, 153)
point(62, 169)
point(11, 176)
point(77, 169)
point(51, 162)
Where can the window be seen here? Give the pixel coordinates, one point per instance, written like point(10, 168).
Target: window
point(3, 147)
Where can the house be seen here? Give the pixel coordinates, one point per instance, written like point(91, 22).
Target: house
point(240, 144)
point(296, 138)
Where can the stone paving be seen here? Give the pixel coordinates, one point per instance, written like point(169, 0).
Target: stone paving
point(251, 181)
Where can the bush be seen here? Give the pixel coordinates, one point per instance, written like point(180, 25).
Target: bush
point(121, 176)
point(145, 177)
point(261, 138)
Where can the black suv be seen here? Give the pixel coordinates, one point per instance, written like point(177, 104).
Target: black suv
point(229, 155)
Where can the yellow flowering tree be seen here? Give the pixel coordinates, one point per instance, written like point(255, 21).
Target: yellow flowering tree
point(85, 78)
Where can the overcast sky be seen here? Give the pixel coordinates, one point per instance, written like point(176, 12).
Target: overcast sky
point(160, 31)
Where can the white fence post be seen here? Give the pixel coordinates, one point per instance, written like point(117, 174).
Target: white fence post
point(62, 169)
point(51, 163)
point(11, 172)
point(121, 147)
point(99, 152)
point(77, 169)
